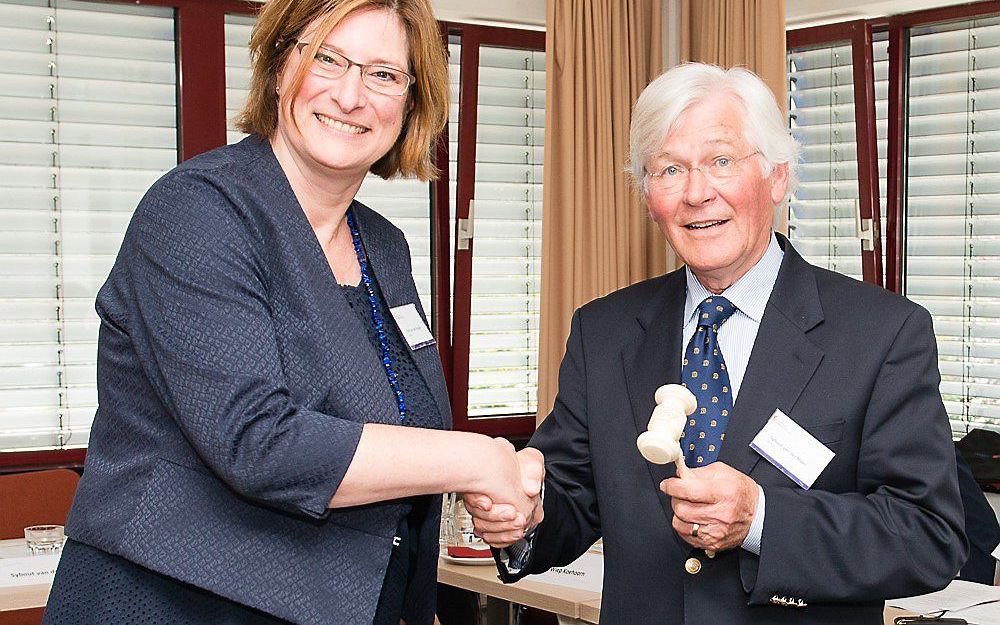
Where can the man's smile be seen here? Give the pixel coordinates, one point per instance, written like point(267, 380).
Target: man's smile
point(702, 225)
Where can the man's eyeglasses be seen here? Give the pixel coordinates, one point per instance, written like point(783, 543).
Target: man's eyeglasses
point(382, 79)
point(673, 176)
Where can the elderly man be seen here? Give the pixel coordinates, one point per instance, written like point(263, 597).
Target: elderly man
point(777, 532)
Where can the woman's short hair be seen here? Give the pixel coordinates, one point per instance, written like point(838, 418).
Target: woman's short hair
point(281, 22)
point(664, 100)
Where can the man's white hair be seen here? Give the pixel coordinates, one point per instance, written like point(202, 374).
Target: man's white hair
point(664, 100)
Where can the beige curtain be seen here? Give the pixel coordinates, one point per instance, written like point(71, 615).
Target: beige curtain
point(597, 236)
point(750, 33)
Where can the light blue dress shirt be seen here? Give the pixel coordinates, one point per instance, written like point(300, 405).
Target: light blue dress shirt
point(737, 335)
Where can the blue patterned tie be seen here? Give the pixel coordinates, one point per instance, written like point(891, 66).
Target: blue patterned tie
point(704, 373)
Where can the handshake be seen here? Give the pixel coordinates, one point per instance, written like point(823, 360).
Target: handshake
point(509, 504)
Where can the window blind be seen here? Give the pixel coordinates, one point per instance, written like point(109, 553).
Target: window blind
point(88, 107)
point(404, 202)
point(821, 219)
point(952, 243)
point(506, 266)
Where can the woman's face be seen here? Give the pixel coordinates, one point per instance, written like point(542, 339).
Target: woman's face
point(340, 125)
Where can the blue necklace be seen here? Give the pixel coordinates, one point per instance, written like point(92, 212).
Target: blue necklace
point(390, 371)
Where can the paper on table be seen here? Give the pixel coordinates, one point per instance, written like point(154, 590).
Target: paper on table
point(958, 595)
point(987, 614)
point(584, 573)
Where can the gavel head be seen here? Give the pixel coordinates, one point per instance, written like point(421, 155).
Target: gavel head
point(675, 391)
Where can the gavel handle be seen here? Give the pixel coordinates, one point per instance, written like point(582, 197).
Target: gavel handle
point(682, 470)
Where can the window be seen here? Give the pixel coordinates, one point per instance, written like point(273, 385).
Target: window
point(88, 104)
point(98, 103)
point(953, 207)
point(835, 214)
point(934, 76)
point(823, 211)
point(498, 169)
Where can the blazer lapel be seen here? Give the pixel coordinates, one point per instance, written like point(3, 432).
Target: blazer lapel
point(346, 338)
point(389, 260)
point(782, 361)
point(654, 359)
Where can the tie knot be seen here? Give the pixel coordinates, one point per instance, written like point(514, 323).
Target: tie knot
point(714, 311)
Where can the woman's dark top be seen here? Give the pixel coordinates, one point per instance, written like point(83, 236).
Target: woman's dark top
point(234, 383)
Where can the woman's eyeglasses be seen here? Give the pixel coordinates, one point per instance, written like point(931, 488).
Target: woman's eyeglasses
point(382, 79)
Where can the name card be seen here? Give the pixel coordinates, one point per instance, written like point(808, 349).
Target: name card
point(28, 570)
point(584, 573)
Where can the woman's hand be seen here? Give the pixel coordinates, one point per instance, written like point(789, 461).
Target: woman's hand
point(503, 520)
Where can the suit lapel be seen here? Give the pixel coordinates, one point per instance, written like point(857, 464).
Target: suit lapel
point(654, 359)
point(782, 361)
point(389, 261)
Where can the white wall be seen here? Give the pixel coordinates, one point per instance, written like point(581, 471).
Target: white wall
point(799, 13)
point(496, 12)
point(522, 13)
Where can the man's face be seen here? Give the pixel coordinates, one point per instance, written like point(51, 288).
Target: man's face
point(721, 227)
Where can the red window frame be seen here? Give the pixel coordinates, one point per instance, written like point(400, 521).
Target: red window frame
point(473, 37)
point(201, 126)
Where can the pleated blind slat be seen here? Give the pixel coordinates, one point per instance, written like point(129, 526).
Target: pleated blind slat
point(87, 101)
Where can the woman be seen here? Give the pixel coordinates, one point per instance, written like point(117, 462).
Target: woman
point(247, 463)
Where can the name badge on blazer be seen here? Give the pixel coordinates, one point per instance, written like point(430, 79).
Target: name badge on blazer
point(412, 327)
point(794, 451)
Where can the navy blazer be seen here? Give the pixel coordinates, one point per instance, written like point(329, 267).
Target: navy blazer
point(853, 364)
point(233, 384)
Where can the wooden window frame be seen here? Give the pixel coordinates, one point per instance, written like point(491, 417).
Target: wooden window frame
point(472, 38)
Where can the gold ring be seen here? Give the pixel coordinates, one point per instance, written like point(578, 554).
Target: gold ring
point(694, 530)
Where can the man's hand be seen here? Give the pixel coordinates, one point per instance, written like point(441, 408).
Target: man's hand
point(499, 523)
point(719, 499)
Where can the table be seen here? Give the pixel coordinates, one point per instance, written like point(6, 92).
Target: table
point(572, 606)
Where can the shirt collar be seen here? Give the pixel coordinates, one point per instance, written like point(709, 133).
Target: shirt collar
point(749, 294)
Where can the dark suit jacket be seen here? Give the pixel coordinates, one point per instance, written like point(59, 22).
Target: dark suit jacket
point(233, 382)
point(853, 364)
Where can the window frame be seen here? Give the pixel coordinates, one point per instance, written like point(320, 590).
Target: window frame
point(859, 34)
point(201, 126)
point(473, 37)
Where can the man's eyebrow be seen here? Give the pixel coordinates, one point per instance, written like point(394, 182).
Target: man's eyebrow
point(719, 142)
